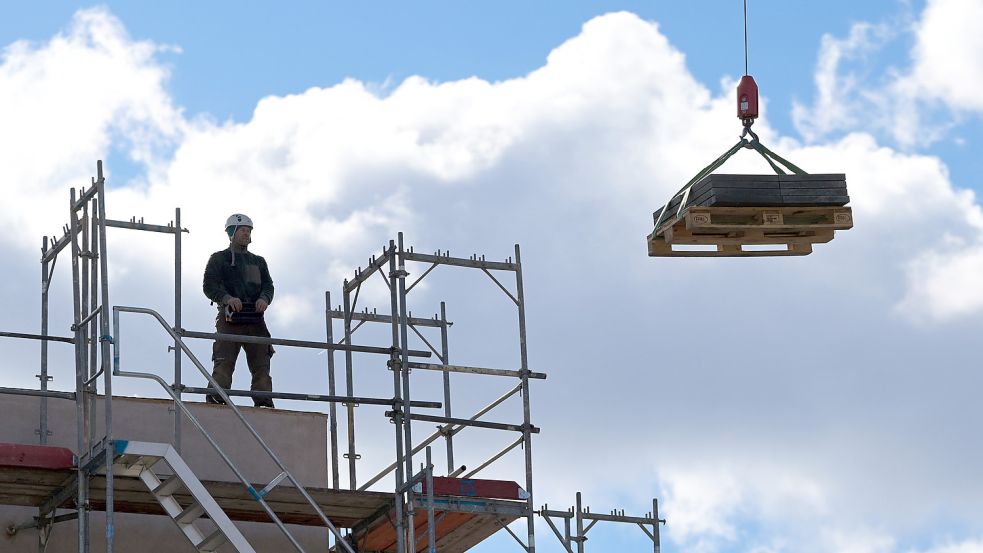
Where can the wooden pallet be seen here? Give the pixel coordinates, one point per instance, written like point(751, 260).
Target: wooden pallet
point(792, 230)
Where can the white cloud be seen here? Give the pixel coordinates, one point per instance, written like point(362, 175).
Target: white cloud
point(64, 101)
point(971, 546)
point(708, 504)
point(947, 51)
point(840, 95)
point(914, 105)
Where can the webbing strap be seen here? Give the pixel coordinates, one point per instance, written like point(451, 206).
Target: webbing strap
point(753, 144)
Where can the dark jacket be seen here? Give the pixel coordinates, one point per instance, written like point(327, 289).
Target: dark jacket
point(249, 279)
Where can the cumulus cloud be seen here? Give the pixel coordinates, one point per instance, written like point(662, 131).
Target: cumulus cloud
point(64, 100)
point(916, 104)
point(948, 45)
point(842, 98)
point(773, 357)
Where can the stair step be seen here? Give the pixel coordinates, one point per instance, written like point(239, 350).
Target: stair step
point(190, 514)
point(142, 456)
point(169, 486)
point(213, 541)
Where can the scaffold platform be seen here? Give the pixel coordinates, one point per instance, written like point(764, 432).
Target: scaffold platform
point(30, 475)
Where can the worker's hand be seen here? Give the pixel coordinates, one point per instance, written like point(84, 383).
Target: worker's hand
point(261, 305)
point(235, 304)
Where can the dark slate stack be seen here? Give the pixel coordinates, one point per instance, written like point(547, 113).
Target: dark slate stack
point(828, 190)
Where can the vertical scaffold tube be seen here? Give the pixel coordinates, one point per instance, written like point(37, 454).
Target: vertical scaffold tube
point(83, 446)
point(332, 407)
point(177, 326)
point(656, 545)
point(398, 405)
point(526, 417)
point(105, 341)
point(43, 431)
point(93, 326)
point(408, 420)
point(431, 523)
point(580, 525)
point(445, 359)
point(349, 387)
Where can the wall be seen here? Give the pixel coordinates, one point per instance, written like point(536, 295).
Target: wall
point(298, 438)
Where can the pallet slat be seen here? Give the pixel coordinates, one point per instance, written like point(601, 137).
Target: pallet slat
point(791, 230)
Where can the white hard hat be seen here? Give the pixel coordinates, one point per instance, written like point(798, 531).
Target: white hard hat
point(238, 220)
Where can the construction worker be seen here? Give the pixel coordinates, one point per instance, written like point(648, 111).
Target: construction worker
point(239, 282)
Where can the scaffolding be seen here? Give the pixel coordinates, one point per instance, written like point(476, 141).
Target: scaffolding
point(416, 495)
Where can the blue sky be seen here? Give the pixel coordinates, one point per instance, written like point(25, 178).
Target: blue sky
point(779, 405)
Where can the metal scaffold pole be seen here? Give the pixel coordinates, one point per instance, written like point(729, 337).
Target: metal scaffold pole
point(394, 365)
point(526, 417)
point(332, 408)
point(177, 325)
point(105, 340)
point(80, 395)
point(445, 360)
point(45, 284)
point(349, 390)
point(399, 281)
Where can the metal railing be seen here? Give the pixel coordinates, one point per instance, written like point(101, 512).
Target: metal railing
point(257, 495)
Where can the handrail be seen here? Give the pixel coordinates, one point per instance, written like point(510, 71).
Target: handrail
point(295, 343)
point(276, 459)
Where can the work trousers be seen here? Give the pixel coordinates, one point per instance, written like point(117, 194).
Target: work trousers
point(224, 355)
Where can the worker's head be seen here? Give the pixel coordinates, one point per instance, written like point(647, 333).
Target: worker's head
point(239, 227)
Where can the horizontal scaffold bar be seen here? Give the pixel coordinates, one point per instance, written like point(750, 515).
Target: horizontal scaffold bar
point(600, 517)
point(294, 343)
point(42, 337)
point(86, 196)
point(56, 247)
point(469, 422)
point(311, 397)
point(474, 370)
point(133, 225)
point(379, 318)
point(362, 275)
point(40, 393)
point(461, 261)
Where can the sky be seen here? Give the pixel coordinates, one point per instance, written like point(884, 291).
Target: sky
point(822, 403)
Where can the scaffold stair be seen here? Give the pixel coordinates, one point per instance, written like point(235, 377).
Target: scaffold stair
point(144, 459)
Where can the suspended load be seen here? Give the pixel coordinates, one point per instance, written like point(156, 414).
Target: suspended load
point(722, 215)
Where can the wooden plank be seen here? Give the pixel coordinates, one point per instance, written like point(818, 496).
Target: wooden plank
point(470, 534)
point(747, 236)
point(663, 250)
point(788, 218)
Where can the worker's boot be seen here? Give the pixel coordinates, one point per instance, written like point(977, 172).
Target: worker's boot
point(214, 400)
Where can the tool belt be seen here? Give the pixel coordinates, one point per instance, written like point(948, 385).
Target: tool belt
point(247, 315)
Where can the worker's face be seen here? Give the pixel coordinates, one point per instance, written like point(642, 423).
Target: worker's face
point(242, 236)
